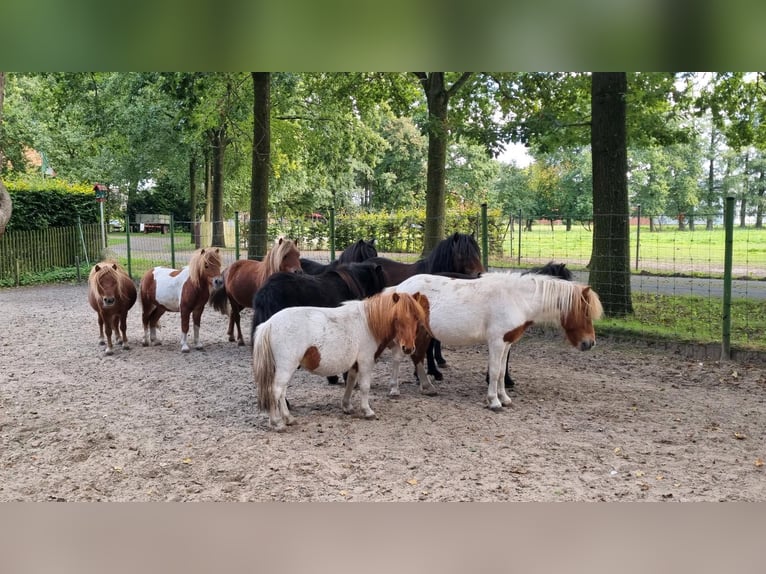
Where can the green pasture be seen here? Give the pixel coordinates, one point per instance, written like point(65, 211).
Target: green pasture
point(669, 251)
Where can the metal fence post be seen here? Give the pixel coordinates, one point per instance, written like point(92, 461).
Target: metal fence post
point(519, 254)
point(638, 231)
point(728, 216)
point(127, 245)
point(236, 235)
point(172, 243)
point(332, 234)
point(484, 237)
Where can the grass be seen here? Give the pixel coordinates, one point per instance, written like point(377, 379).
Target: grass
point(692, 319)
point(670, 251)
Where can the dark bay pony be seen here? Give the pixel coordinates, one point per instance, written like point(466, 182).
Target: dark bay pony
point(244, 277)
point(186, 291)
point(458, 253)
point(111, 293)
point(355, 253)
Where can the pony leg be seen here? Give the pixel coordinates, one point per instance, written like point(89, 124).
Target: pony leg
point(364, 392)
point(197, 317)
point(108, 330)
point(396, 359)
point(433, 346)
point(234, 321)
point(423, 343)
point(350, 382)
point(497, 356)
point(279, 413)
point(101, 339)
point(124, 330)
point(440, 360)
point(502, 394)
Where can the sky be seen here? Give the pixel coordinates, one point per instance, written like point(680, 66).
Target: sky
point(516, 154)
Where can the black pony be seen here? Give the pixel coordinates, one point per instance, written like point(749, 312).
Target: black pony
point(434, 354)
point(458, 253)
point(355, 253)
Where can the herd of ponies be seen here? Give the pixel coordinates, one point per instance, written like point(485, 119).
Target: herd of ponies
point(338, 318)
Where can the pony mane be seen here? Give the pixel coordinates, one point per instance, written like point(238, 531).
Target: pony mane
point(381, 310)
point(282, 248)
point(359, 251)
point(442, 258)
point(581, 301)
point(198, 260)
point(107, 268)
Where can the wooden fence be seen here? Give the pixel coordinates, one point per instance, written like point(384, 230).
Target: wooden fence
point(40, 250)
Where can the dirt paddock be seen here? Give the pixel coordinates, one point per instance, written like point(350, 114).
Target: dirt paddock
point(621, 422)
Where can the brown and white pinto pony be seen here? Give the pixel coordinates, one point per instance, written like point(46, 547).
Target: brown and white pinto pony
point(244, 277)
point(330, 340)
point(496, 309)
point(186, 291)
point(111, 293)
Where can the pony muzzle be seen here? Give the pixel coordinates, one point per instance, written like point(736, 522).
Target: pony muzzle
point(108, 301)
point(587, 344)
point(218, 282)
point(407, 350)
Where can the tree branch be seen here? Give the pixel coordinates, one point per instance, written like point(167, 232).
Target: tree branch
point(459, 83)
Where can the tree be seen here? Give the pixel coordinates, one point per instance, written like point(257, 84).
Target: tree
point(610, 258)
point(259, 200)
point(438, 95)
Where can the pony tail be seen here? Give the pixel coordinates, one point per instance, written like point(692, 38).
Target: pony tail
point(219, 299)
point(264, 368)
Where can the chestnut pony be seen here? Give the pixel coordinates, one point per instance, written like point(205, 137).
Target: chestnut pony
point(328, 340)
point(186, 291)
point(244, 277)
point(111, 293)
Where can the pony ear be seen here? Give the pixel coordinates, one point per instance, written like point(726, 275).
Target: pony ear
point(395, 297)
point(280, 240)
point(114, 266)
point(217, 250)
point(202, 251)
point(585, 290)
point(97, 268)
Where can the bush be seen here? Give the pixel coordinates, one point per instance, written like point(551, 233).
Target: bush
point(39, 204)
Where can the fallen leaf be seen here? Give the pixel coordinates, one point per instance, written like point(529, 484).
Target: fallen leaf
point(739, 436)
point(734, 374)
point(344, 493)
point(660, 477)
point(639, 473)
point(187, 460)
point(117, 469)
point(617, 450)
point(758, 462)
point(412, 481)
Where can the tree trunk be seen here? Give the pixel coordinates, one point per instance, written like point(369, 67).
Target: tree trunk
point(259, 192)
point(743, 213)
point(759, 206)
point(208, 188)
point(218, 143)
point(438, 103)
point(193, 189)
point(610, 260)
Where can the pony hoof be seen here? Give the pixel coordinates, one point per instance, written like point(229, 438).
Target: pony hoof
point(102, 343)
point(144, 344)
point(394, 394)
point(109, 352)
point(333, 380)
point(429, 392)
point(126, 347)
point(495, 407)
point(240, 343)
point(370, 416)
point(185, 349)
point(156, 343)
point(441, 363)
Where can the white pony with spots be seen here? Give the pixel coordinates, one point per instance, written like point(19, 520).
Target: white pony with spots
point(331, 340)
point(495, 309)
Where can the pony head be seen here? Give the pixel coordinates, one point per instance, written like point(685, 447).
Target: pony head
point(410, 313)
point(577, 320)
point(205, 264)
point(104, 281)
point(459, 253)
point(284, 256)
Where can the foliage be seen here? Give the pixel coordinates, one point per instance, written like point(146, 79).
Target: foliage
point(39, 204)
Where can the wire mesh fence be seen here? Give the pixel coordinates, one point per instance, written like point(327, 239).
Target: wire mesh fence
point(676, 270)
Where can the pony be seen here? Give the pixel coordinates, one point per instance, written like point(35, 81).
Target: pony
point(186, 290)
point(458, 253)
point(354, 253)
point(244, 277)
point(111, 293)
point(496, 309)
point(328, 289)
point(326, 340)
point(434, 355)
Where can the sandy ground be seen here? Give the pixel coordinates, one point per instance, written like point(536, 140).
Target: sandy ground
point(622, 422)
